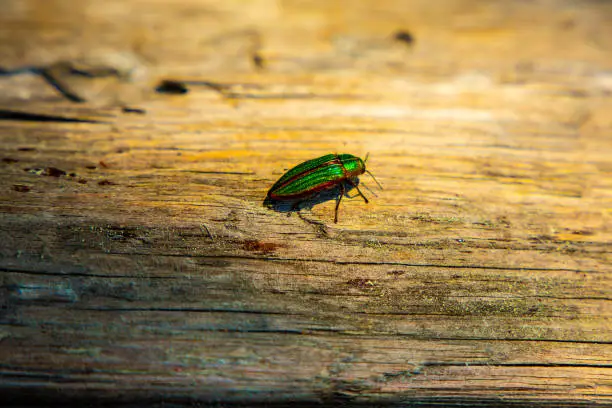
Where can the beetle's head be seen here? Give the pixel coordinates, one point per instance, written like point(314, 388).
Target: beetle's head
point(353, 165)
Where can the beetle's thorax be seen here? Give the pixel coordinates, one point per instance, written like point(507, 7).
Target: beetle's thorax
point(353, 165)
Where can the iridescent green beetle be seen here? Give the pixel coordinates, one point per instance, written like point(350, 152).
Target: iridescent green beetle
point(324, 173)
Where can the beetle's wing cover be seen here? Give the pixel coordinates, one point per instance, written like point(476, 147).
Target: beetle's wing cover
point(319, 179)
point(305, 167)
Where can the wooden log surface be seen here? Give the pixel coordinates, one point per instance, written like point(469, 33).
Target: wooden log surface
point(137, 262)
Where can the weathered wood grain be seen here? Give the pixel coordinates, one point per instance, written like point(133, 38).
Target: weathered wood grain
point(137, 263)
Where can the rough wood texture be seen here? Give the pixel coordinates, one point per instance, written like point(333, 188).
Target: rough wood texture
point(150, 271)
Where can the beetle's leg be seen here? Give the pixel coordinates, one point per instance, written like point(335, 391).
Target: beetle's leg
point(342, 191)
point(352, 183)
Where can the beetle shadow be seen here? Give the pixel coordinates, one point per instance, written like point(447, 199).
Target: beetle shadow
point(307, 203)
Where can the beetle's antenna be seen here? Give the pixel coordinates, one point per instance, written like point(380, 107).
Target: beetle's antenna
point(369, 189)
point(366, 158)
point(374, 178)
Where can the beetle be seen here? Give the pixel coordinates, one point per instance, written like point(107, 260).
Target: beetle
point(323, 173)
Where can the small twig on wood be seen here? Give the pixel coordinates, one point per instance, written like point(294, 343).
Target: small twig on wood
point(321, 227)
point(204, 227)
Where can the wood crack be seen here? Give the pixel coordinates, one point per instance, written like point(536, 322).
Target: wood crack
point(370, 263)
point(82, 274)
